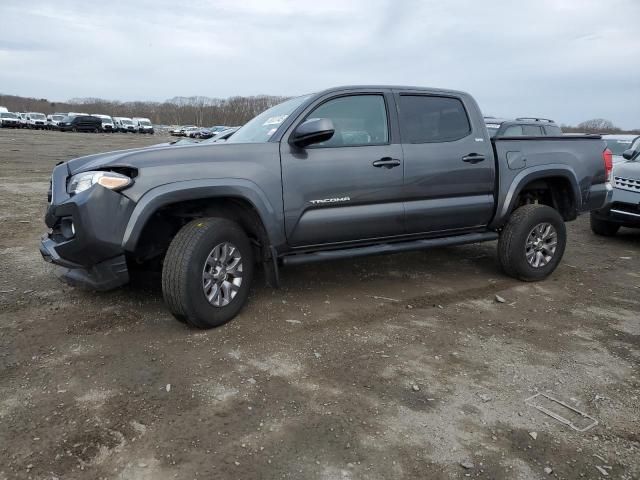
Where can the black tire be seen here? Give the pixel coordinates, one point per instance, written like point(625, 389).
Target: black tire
point(602, 227)
point(182, 275)
point(513, 240)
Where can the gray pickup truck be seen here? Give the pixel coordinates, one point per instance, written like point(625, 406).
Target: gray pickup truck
point(346, 172)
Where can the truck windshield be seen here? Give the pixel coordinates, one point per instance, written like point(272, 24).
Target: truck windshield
point(261, 128)
point(618, 146)
point(146, 123)
point(7, 115)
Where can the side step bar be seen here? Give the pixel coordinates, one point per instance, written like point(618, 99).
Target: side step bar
point(297, 259)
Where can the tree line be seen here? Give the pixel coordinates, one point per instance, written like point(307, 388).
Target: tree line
point(206, 111)
point(203, 111)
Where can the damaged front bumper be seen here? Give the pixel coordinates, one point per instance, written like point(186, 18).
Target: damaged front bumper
point(85, 235)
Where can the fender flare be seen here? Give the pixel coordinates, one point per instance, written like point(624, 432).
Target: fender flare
point(539, 172)
point(169, 193)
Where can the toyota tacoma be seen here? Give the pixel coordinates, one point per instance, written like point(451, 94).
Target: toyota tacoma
point(346, 172)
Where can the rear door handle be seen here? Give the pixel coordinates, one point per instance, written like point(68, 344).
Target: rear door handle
point(386, 162)
point(473, 158)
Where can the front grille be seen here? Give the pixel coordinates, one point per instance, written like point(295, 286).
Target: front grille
point(627, 184)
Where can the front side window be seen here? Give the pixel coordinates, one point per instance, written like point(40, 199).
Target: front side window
point(553, 130)
point(357, 119)
point(531, 130)
point(513, 131)
point(426, 119)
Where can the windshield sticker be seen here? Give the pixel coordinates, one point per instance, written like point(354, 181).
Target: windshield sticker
point(275, 120)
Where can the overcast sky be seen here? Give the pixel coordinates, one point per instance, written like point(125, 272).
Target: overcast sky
point(570, 60)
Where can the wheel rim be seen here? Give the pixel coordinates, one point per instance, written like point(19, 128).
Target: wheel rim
point(541, 245)
point(222, 274)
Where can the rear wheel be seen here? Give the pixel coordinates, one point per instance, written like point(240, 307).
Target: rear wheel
point(602, 227)
point(207, 272)
point(532, 243)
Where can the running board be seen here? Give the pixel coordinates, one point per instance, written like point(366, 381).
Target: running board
point(380, 249)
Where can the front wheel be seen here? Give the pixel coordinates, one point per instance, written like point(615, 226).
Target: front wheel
point(207, 272)
point(602, 227)
point(532, 243)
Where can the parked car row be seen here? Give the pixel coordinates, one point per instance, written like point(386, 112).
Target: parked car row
point(193, 131)
point(75, 121)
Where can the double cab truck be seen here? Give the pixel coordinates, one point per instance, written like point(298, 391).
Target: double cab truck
point(342, 173)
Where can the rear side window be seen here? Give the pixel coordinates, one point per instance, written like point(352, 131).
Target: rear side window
point(532, 131)
point(513, 131)
point(426, 119)
point(552, 130)
point(358, 120)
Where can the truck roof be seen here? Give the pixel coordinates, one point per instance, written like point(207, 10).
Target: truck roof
point(392, 87)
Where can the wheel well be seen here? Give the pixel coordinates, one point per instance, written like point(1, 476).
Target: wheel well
point(163, 225)
point(556, 192)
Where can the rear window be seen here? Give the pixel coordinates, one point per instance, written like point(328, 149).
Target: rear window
point(427, 119)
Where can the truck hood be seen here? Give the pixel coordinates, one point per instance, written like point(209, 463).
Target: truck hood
point(155, 155)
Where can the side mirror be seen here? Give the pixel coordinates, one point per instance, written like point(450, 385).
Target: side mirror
point(315, 130)
point(628, 154)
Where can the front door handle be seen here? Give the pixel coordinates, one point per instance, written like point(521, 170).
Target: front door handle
point(386, 162)
point(473, 158)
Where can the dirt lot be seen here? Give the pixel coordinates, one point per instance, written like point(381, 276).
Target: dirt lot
point(405, 366)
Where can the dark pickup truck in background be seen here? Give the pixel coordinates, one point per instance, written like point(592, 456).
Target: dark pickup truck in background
point(342, 173)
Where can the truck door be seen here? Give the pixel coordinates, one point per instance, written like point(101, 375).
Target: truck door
point(448, 164)
point(348, 188)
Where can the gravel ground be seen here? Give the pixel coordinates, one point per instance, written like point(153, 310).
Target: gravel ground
point(404, 366)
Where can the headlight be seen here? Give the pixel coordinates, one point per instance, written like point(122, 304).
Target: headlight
point(111, 180)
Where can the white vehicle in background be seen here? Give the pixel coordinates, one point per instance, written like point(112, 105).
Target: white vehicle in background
point(36, 120)
point(143, 125)
point(4, 110)
point(108, 125)
point(9, 120)
point(23, 119)
point(124, 124)
point(53, 120)
point(188, 131)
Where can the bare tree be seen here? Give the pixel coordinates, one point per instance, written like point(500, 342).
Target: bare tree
point(598, 125)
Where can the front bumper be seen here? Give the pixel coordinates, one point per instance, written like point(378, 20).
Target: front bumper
point(624, 209)
point(106, 275)
point(85, 235)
